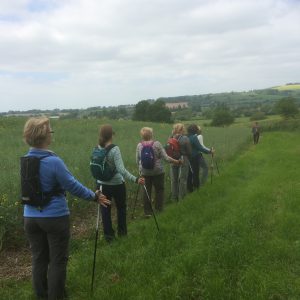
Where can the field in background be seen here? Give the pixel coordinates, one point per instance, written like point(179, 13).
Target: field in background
point(73, 142)
point(287, 87)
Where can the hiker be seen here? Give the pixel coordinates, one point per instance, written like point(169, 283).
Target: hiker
point(202, 162)
point(179, 173)
point(193, 174)
point(115, 187)
point(48, 228)
point(149, 156)
point(255, 132)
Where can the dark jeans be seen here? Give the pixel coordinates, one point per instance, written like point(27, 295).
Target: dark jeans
point(255, 137)
point(193, 180)
point(49, 244)
point(118, 193)
point(157, 181)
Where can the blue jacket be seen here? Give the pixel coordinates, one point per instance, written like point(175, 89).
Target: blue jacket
point(54, 172)
point(196, 146)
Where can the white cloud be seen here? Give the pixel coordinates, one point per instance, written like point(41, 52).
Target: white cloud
point(122, 51)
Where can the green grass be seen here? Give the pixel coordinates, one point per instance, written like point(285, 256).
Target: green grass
point(73, 142)
point(237, 238)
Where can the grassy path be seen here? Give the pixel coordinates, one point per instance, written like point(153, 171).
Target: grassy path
point(238, 238)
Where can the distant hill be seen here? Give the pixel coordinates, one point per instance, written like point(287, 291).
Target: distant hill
point(234, 100)
point(288, 87)
point(240, 99)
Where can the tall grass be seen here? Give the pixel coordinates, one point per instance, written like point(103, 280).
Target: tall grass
point(235, 239)
point(73, 142)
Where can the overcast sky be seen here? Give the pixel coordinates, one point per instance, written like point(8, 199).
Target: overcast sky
point(83, 53)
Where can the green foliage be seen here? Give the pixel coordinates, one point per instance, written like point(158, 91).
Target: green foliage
point(237, 238)
point(222, 116)
point(153, 112)
point(287, 108)
point(259, 115)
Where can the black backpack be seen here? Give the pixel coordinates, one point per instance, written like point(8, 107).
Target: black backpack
point(31, 192)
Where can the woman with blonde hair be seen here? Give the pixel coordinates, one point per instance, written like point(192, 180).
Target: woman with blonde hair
point(47, 226)
point(154, 174)
point(115, 187)
point(179, 174)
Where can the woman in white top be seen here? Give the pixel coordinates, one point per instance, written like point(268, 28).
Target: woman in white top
point(202, 162)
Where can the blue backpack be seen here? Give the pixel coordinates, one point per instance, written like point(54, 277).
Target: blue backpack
point(99, 165)
point(147, 156)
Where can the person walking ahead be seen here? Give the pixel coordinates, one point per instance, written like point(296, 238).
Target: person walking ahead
point(114, 188)
point(48, 228)
point(154, 175)
point(193, 176)
point(255, 133)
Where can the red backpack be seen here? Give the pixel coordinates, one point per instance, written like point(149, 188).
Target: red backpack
point(173, 147)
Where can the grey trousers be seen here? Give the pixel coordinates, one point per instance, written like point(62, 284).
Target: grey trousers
point(157, 181)
point(49, 244)
point(179, 180)
point(203, 169)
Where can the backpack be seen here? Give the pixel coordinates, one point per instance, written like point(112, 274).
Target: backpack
point(147, 156)
point(31, 191)
point(99, 166)
point(173, 148)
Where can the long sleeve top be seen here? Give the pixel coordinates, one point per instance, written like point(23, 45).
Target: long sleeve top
point(53, 173)
point(159, 155)
point(200, 139)
point(196, 146)
point(115, 161)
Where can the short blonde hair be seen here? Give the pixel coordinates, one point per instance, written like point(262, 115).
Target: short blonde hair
point(178, 128)
point(36, 131)
point(146, 133)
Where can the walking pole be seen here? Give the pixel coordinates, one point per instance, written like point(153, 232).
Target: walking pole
point(211, 169)
point(215, 162)
point(134, 205)
point(151, 207)
point(96, 240)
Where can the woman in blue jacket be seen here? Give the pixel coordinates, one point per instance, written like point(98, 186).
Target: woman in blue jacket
point(48, 228)
point(193, 176)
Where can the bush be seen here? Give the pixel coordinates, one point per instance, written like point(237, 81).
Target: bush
point(258, 116)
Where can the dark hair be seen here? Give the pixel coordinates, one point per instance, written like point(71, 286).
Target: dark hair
point(193, 129)
point(105, 134)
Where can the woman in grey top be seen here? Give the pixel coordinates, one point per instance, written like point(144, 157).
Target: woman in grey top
point(115, 187)
point(155, 175)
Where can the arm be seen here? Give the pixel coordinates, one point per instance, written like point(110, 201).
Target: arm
point(198, 146)
point(69, 183)
point(200, 139)
point(137, 155)
point(120, 165)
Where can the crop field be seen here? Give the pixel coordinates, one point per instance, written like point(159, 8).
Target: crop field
point(288, 87)
point(73, 142)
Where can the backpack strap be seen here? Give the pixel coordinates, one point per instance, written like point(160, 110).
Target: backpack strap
point(109, 147)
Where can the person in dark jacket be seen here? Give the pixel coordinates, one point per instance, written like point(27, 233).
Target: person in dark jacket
point(193, 180)
point(48, 228)
point(255, 133)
